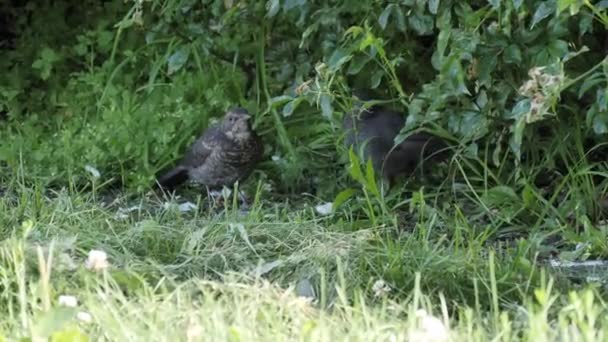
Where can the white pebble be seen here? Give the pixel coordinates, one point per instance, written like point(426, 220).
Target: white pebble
point(324, 209)
point(84, 317)
point(68, 301)
point(93, 171)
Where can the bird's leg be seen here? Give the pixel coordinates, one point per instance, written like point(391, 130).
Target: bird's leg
point(217, 197)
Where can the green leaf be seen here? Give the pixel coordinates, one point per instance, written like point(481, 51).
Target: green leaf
point(452, 70)
point(501, 194)
point(600, 121)
point(357, 63)
point(354, 168)
point(542, 11)
point(279, 100)
point(177, 60)
point(495, 4)
point(370, 178)
point(517, 137)
point(400, 19)
point(517, 4)
point(590, 82)
point(421, 24)
point(512, 54)
point(376, 79)
point(290, 107)
point(442, 43)
point(563, 4)
point(383, 18)
point(433, 6)
point(558, 48)
point(326, 107)
point(343, 196)
point(602, 99)
point(519, 111)
point(528, 196)
point(338, 58)
point(273, 7)
point(289, 4)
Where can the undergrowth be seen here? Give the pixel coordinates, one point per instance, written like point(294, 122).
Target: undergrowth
point(97, 97)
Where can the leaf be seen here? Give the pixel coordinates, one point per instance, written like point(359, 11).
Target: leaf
point(239, 227)
point(520, 109)
point(338, 58)
point(563, 4)
point(558, 48)
point(279, 100)
point(589, 83)
point(400, 19)
point(433, 6)
point(600, 122)
point(343, 196)
point(602, 99)
point(422, 24)
point(495, 4)
point(454, 74)
point(517, 4)
point(512, 54)
point(326, 107)
point(543, 11)
point(290, 107)
point(442, 43)
point(383, 18)
point(289, 4)
point(357, 63)
point(273, 7)
point(528, 196)
point(517, 137)
point(376, 79)
point(264, 268)
point(501, 194)
point(370, 178)
point(177, 60)
point(354, 168)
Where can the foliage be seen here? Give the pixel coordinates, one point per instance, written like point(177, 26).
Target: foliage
point(518, 87)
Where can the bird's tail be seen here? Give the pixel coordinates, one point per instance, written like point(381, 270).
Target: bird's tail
point(173, 178)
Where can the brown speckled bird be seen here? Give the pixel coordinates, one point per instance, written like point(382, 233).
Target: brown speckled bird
point(375, 130)
point(224, 154)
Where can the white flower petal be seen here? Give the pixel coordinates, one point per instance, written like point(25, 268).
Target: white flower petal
point(97, 260)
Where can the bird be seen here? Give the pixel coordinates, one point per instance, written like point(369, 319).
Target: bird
point(224, 154)
point(375, 129)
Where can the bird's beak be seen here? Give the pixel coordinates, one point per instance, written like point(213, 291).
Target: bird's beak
point(246, 116)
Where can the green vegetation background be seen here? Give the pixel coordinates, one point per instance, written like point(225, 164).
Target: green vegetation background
point(518, 88)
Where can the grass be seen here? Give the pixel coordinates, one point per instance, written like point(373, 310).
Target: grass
point(214, 274)
point(462, 260)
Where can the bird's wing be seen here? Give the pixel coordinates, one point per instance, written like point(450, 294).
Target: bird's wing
point(203, 147)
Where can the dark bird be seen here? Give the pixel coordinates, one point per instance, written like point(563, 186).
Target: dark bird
point(374, 129)
point(224, 154)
